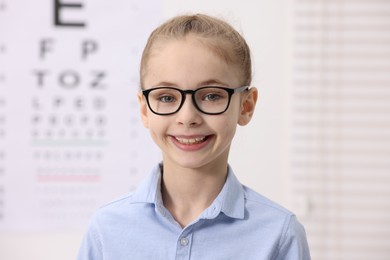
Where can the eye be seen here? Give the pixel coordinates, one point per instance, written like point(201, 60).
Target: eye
point(167, 99)
point(212, 97)
point(211, 94)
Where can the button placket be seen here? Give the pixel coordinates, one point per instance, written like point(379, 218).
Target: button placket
point(184, 244)
point(185, 237)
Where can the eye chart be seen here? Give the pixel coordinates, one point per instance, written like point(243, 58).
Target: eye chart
point(71, 138)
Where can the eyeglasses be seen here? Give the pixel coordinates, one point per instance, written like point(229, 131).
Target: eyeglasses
point(209, 100)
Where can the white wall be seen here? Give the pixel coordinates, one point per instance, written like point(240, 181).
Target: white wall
point(258, 153)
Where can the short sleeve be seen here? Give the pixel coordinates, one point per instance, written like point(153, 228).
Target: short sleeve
point(293, 244)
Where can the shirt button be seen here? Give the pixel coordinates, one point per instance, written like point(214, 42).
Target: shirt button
point(184, 241)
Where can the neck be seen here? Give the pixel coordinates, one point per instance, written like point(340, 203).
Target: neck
point(187, 192)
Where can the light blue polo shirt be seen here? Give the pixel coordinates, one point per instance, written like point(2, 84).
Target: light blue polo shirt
point(239, 224)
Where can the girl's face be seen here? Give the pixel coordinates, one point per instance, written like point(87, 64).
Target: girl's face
point(189, 138)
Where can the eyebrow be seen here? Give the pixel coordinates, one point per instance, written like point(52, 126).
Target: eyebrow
point(213, 82)
point(165, 84)
point(210, 82)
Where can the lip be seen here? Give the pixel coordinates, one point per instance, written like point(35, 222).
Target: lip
point(191, 143)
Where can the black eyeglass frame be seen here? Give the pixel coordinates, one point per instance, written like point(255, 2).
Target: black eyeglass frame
point(192, 92)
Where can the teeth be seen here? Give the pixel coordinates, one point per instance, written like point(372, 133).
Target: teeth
point(190, 140)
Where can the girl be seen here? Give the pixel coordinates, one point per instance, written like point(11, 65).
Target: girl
point(195, 88)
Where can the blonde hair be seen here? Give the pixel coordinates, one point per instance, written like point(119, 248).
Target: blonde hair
point(218, 35)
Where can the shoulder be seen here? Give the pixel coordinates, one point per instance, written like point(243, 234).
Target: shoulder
point(275, 220)
point(259, 202)
point(118, 210)
point(268, 215)
point(113, 223)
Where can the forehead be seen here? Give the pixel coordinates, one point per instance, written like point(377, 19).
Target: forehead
point(187, 61)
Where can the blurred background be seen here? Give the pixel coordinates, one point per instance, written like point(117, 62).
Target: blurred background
point(71, 138)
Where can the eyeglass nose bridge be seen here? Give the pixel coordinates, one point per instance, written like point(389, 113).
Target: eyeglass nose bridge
point(184, 93)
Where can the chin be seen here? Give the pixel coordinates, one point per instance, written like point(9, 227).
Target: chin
point(189, 162)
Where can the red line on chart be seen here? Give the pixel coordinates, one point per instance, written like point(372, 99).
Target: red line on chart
point(70, 178)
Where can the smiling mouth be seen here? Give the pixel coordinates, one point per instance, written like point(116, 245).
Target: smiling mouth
point(191, 141)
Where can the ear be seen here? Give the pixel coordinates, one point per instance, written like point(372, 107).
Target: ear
point(143, 109)
point(248, 104)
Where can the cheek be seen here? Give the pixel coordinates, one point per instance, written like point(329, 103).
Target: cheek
point(227, 127)
point(144, 113)
point(157, 127)
point(155, 134)
point(229, 123)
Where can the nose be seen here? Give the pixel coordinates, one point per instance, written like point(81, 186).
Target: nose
point(188, 115)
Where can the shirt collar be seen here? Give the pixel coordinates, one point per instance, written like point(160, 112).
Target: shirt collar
point(149, 188)
point(232, 197)
point(230, 201)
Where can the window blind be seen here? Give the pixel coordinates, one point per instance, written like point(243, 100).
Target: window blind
point(340, 138)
